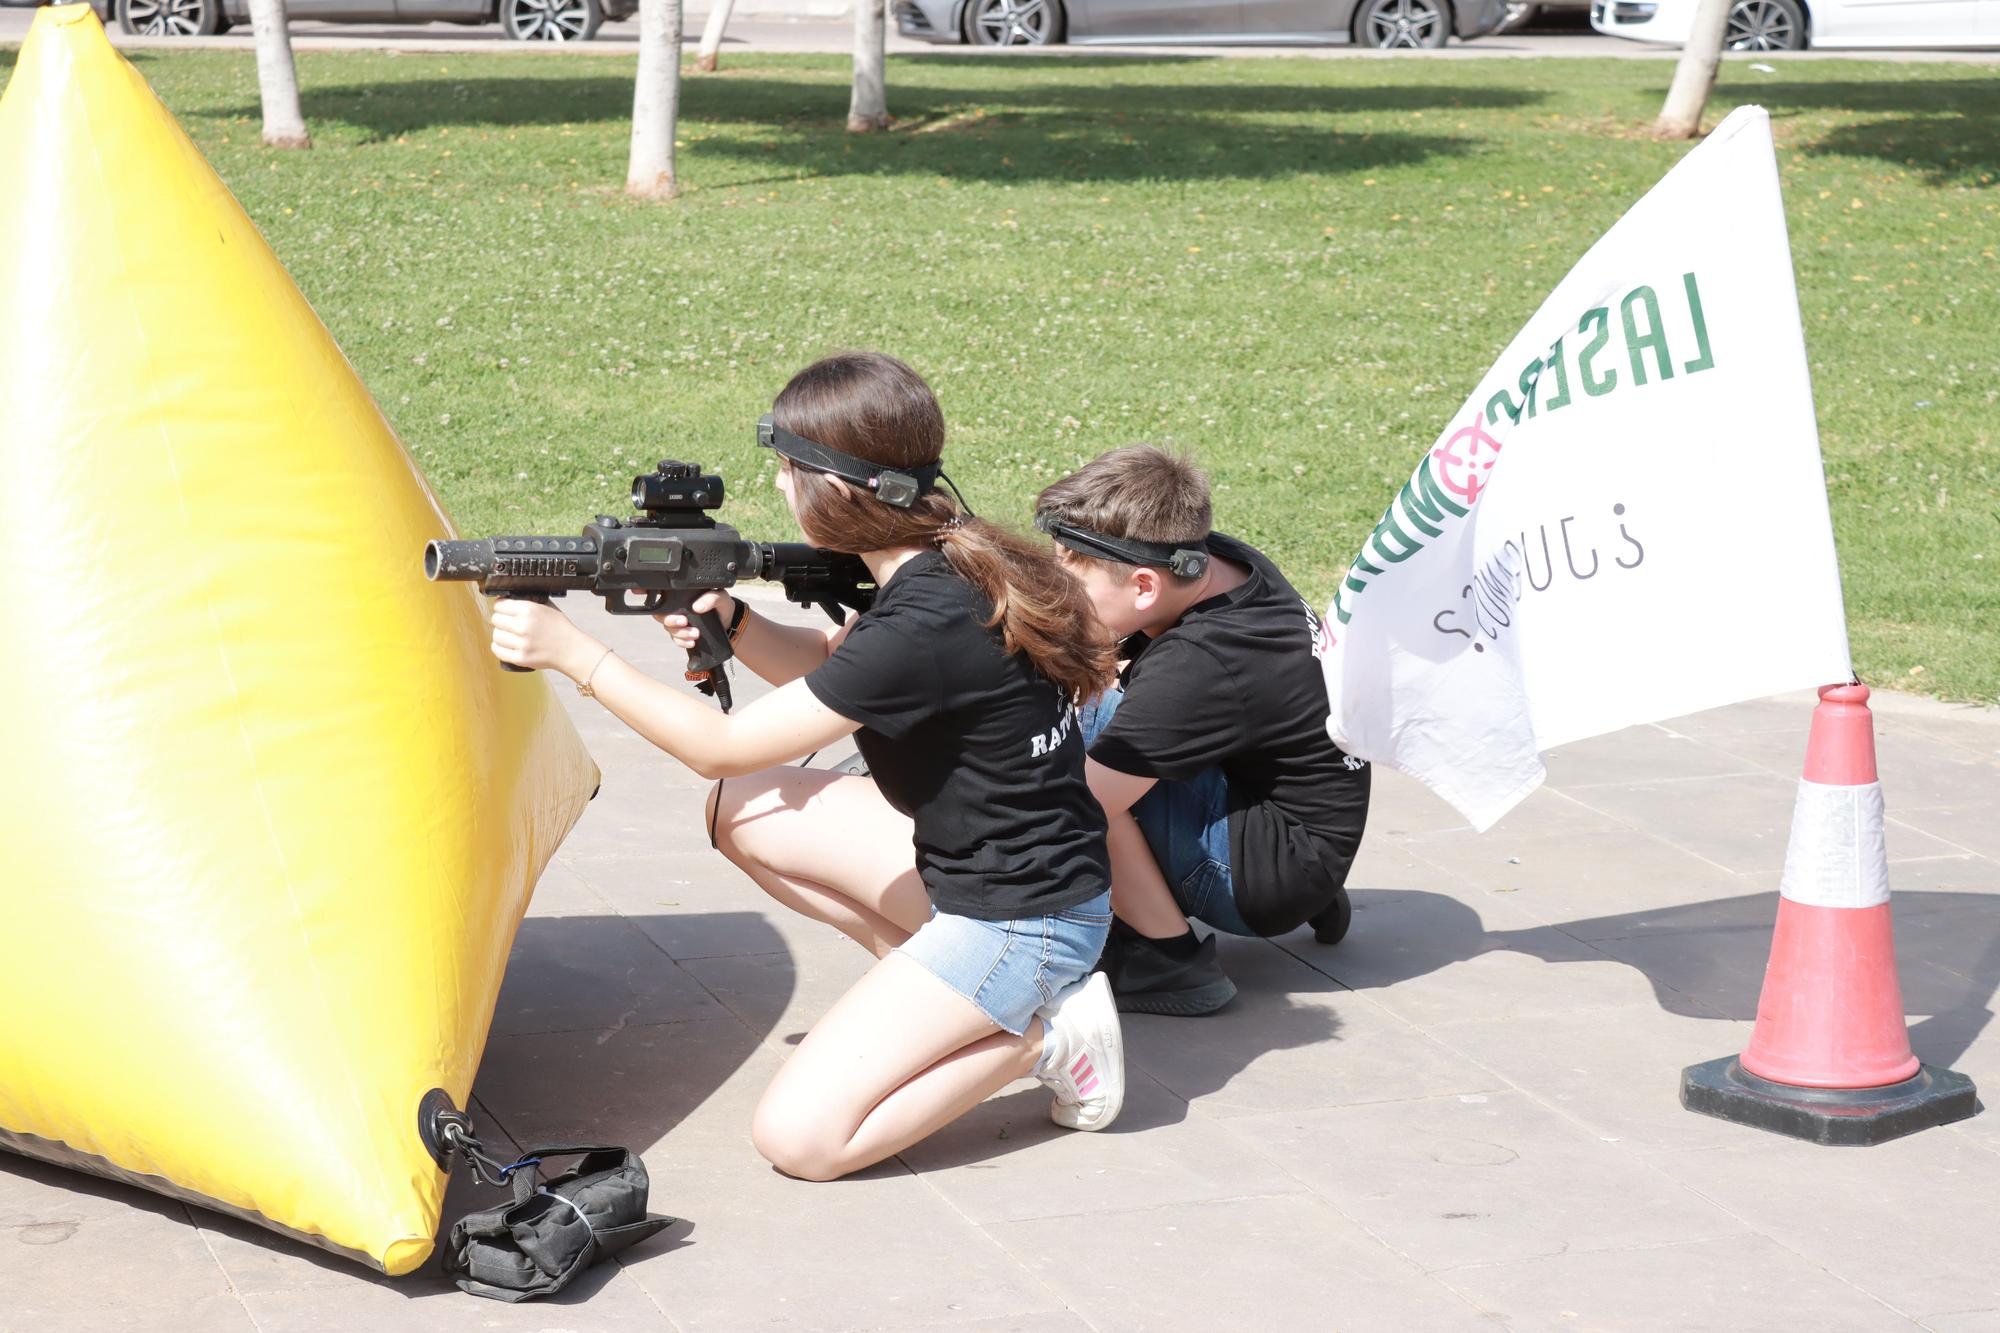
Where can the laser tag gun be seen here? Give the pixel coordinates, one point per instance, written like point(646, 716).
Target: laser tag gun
point(665, 556)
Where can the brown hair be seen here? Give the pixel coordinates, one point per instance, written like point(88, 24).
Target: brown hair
point(1138, 491)
point(874, 407)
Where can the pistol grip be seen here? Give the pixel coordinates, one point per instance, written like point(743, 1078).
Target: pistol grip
point(714, 649)
point(541, 597)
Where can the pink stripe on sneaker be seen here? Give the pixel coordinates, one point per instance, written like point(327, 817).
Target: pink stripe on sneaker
point(1088, 1084)
point(1082, 1062)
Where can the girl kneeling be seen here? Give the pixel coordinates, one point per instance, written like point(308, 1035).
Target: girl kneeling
point(960, 686)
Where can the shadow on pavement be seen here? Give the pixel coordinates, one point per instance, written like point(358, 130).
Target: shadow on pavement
point(622, 1056)
point(1704, 960)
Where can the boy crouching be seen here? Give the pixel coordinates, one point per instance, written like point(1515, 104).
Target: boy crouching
point(1227, 801)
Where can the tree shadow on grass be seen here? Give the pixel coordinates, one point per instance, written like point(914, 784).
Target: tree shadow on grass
point(392, 108)
point(1948, 129)
point(1103, 132)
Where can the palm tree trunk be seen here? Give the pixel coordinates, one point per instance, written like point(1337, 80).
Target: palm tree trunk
point(656, 100)
point(277, 77)
point(867, 109)
point(1694, 76)
point(711, 35)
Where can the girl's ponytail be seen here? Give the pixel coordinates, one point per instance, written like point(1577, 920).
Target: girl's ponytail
point(1038, 606)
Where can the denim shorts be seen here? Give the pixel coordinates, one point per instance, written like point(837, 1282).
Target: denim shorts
point(1186, 824)
point(1011, 968)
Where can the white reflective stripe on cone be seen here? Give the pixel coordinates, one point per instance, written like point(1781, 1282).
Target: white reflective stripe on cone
point(1836, 857)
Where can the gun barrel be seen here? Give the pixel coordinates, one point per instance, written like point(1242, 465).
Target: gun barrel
point(516, 564)
point(454, 561)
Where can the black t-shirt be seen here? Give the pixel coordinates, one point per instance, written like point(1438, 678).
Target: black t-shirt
point(972, 743)
point(1236, 684)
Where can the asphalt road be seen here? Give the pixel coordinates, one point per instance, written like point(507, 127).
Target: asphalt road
point(820, 35)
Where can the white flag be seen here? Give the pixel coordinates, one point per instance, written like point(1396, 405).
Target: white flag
point(1626, 521)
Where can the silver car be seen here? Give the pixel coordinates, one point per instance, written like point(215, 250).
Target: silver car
point(522, 20)
point(1377, 23)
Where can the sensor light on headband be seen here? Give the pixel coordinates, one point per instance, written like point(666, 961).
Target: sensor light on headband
point(1188, 562)
point(900, 487)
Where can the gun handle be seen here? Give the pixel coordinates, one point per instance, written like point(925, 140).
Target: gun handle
point(541, 597)
point(713, 649)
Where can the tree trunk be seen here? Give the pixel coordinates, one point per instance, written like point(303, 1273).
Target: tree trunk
point(711, 35)
point(656, 101)
point(1694, 76)
point(867, 110)
point(277, 77)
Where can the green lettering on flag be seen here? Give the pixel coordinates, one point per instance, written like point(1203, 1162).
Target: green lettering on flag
point(1705, 361)
point(1425, 502)
point(1592, 385)
point(1655, 337)
point(1531, 375)
point(1560, 398)
point(1388, 525)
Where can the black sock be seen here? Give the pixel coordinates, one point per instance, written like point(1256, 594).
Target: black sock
point(1179, 947)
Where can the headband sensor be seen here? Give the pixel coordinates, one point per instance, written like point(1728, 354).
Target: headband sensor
point(1186, 561)
point(898, 487)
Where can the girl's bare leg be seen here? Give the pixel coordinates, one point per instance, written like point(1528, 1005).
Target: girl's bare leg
point(826, 845)
point(897, 1058)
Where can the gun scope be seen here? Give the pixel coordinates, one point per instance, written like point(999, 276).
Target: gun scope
point(676, 485)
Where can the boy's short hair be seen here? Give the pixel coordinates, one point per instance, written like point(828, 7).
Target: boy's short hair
point(1138, 491)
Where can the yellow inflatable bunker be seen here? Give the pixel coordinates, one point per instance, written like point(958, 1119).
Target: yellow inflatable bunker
point(270, 812)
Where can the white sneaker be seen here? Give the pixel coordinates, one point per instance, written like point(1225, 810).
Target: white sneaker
point(1083, 1055)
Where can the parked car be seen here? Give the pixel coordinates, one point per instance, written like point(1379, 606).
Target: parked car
point(1387, 24)
point(1794, 25)
point(1520, 14)
point(523, 20)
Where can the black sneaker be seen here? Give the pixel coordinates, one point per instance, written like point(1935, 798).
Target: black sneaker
point(1331, 923)
point(1145, 979)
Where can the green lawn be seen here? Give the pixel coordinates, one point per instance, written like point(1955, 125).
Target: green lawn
point(1297, 267)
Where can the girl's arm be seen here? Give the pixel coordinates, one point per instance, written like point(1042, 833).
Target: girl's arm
point(777, 653)
point(786, 724)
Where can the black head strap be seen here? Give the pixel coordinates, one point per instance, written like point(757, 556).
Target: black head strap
point(1187, 561)
point(901, 487)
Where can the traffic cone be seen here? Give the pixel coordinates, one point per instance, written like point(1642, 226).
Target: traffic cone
point(1830, 1058)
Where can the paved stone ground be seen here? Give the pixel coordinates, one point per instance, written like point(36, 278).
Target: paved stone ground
point(1463, 1117)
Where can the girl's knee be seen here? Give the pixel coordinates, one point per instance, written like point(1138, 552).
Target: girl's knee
point(796, 1141)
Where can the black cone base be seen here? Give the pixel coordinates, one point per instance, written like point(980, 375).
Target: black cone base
point(1842, 1117)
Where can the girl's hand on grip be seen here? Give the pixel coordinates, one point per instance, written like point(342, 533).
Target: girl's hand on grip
point(684, 633)
point(536, 635)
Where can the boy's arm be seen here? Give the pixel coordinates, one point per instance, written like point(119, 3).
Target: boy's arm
point(1139, 892)
point(1116, 792)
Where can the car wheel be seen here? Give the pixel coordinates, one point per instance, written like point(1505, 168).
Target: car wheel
point(1517, 16)
point(1390, 25)
point(1014, 22)
point(550, 20)
point(169, 18)
point(223, 23)
point(1765, 25)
